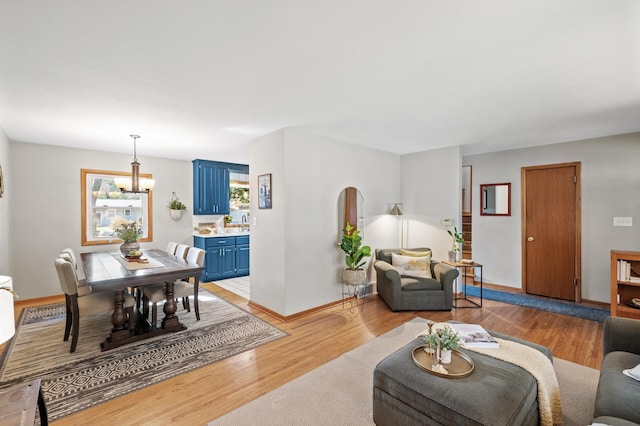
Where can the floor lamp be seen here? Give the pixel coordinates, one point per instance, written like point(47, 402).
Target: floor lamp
point(397, 211)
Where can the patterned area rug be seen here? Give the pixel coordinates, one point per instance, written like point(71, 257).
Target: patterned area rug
point(88, 377)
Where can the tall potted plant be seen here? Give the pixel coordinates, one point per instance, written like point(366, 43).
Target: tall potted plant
point(355, 256)
point(457, 240)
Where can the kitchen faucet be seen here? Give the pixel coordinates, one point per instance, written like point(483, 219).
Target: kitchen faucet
point(244, 222)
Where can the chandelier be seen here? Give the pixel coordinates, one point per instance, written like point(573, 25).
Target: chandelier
point(134, 184)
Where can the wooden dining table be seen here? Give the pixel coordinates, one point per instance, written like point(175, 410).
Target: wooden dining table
point(111, 271)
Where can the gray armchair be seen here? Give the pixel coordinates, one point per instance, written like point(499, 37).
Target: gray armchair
point(617, 395)
point(410, 293)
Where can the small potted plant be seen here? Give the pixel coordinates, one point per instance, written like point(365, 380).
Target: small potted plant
point(355, 256)
point(128, 232)
point(457, 240)
point(445, 339)
point(176, 207)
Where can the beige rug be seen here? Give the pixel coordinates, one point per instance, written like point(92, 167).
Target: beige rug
point(75, 381)
point(340, 392)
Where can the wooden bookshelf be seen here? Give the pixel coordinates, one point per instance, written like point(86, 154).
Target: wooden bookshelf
point(468, 277)
point(623, 290)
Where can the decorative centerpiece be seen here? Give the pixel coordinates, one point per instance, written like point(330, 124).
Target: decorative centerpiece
point(354, 258)
point(444, 340)
point(128, 232)
point(176, 207)
point(457, 240)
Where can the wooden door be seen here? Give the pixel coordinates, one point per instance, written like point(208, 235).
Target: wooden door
point(551, 230)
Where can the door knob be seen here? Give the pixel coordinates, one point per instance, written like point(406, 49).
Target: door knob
point(530, 239)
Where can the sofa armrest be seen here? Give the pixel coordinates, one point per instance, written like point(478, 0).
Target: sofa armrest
point(446, 275)
point(621, 334)
point(389, 284)
point(388, 270)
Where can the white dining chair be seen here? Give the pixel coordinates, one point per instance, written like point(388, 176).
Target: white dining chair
point(171, 247)
point(181, 250)
point(74, 263)
point(89, 304)
point(155, 293)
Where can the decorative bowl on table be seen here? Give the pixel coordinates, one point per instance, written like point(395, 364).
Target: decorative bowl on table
point(133, 255)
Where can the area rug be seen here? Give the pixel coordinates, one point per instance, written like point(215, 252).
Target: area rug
point(340, 392)
point(76, 381)
point(543, 304)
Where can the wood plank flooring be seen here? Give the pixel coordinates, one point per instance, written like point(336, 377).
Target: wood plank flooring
point(209, 392)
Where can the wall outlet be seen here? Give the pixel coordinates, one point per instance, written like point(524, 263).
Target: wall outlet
point(622, 221)
point(446, 222)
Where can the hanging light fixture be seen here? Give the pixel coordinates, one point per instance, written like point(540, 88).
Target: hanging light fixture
point(135, 184)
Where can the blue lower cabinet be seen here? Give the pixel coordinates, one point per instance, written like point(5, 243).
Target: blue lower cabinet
point(221, 258)
point(242, 260)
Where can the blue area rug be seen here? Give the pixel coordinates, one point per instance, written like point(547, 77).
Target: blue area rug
point(549, 305)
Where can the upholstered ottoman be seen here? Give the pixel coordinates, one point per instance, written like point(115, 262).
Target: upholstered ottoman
point(496, 393)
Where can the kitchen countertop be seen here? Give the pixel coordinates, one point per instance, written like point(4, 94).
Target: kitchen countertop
point(226, 234)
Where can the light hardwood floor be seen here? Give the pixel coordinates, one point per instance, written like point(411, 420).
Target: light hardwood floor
point(211, 391)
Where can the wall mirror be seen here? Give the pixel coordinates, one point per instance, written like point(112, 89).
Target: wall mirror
point(495, 199)
point(351, 210)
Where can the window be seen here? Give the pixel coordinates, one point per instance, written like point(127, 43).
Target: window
point(105, 206)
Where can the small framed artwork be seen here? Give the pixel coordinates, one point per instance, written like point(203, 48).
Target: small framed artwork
point(264, 191)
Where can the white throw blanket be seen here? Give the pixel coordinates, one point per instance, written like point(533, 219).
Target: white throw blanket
point(536, 363)
point(540, 367)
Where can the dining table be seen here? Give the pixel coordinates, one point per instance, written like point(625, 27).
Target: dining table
point(106, 271)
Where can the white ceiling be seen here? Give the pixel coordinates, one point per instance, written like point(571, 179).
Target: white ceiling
point(199, 79)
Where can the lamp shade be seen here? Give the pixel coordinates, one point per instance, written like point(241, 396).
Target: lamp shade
point(395, 210)
point(7, 319)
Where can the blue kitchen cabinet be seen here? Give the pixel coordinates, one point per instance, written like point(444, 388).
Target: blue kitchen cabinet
point(210, 187)
point(221, 256)
point(242, 256)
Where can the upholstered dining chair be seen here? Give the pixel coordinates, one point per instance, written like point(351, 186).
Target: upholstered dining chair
point(171, 247)
point(71, 255)
point(155, 293)
point(181, 250)
point(89, 304)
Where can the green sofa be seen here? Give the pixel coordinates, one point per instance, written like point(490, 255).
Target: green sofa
point(618, 396)
point(408, 293)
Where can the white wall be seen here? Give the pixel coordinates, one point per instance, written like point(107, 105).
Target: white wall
point(295, 260)
point(431, 191)
point(268, 248)
point(46, 208)
point(5, 206)
point(610, 178)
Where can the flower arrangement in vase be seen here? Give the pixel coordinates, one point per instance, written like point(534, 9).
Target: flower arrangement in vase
point(128, 232)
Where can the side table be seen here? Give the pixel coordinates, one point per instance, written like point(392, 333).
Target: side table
point(18, 404)
point(463, 266)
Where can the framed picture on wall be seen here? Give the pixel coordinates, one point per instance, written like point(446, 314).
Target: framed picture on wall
point(264, 191)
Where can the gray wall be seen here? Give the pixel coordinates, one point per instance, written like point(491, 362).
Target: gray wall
point(5, 206)
point(45, 208)
point(610, 175)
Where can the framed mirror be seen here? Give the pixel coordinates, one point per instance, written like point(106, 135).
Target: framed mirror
point(350, 209)
point(495, 199)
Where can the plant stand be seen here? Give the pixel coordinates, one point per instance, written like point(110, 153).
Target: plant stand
point(354, 293)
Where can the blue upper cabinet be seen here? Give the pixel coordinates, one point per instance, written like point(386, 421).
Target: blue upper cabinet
point(210, 187)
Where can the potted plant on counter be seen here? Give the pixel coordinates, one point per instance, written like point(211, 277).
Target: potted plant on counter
point(355, 256)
